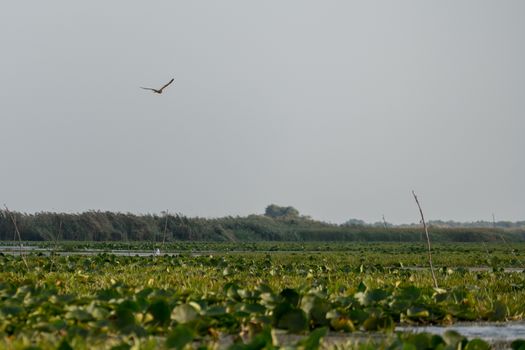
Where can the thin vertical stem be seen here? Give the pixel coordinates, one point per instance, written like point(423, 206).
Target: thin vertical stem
point(55, 241)
point(165, 229)
point(428, 240)
point(505, 241)
point(386, 227)
point(18, 233)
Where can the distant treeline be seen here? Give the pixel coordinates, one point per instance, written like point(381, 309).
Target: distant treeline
point(277, 224)
point(445, 224)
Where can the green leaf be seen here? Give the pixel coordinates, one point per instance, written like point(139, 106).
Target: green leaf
point(359, 316)
point(290, 296)
point(361, 287)
point(79, 315)
point(371, 297)
point(11, 310)
point(382, 322)
point(122, 346)
point(436, 340)
point(64, 345)
point(518, 344)
point(184, 313)
point(124, 318)
point(129, 305)
point(288, 317)
point(179, 337)
point(411, 293)
point(453, 338)
point(232, 291)
point(499, 312)
point(215, 311)
point(253, 308)
point(160, 311)
point(262, 340)
point(421, 340)
point(316, 309)
point(313, 341)
point(417, 312)
point(477, 344)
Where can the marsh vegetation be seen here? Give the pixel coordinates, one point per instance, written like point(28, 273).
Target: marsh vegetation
point(245, 296)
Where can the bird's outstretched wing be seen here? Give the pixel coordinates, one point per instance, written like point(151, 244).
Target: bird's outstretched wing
point(145, 88)
point(171, 81)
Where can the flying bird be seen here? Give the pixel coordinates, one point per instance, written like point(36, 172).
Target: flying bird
point(158, 91)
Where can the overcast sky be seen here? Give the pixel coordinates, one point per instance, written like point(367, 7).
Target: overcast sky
point(338, 108)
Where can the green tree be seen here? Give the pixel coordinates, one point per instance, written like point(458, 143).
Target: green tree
point(275, 211)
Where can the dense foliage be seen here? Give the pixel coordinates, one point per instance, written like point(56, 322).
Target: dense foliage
point(281, 224)
point(253, 300)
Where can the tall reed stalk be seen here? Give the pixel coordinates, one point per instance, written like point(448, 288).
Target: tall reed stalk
point(505, 241)
point(13, 219)
point(165, 229)
point(428, 241)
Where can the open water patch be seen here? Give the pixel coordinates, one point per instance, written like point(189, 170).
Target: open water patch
point(490, 332)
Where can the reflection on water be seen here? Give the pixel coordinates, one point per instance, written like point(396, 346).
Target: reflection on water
point(492, 332)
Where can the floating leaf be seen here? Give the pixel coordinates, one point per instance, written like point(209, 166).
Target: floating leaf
point(499, 312)
point(79, 315)
point(316, 309)
point(411, 293)
point(371, 297)
point(123, 346)
point(518, 344)
point(253, 308)
point(418, 312)
point(161, 311)
point(453, 338)
point(124, 318)
point(64, 345)
point(184, 313)
point(359, 316)
point(422, 341)
point(477, 344)
point(11, 310)
point(313, 341)
point(291, 296)
point(288, 317)
point(215, 311)
point(263, 340)
point(342, 323)
point(179, 337)
point(381, 322)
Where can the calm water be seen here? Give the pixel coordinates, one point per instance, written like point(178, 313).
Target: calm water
point(492, 332)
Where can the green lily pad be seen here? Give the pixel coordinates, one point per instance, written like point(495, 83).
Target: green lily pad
point(79, 315)
point(453, 338)
point(184, 313)
point(64, 345)
point(316, 309)
point(313, 341)
point(518, 344)
point(161, 311)
point(11, 310)
point(290, 296)
point(124, 318)
point(477, 344)
point(417, 312)
point(411, 293)
point(179, 337)
point(288, 317)
point(499, 312)
point(371, 297)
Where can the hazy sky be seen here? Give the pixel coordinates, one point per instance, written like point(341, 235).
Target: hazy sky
point(338, 108)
